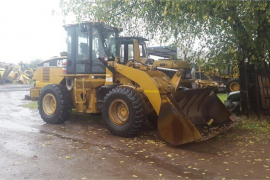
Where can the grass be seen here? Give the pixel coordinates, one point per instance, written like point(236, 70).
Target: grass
point(249, 130)
point(254, 124)
point(222, 97)
point(31, 105)
point(259, 127)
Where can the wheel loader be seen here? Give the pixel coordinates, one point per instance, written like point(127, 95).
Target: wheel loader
point(25, 74)
point(228, 74)
point(173, 59)
point(125, 94)
point(203, 79)
point(135, 48)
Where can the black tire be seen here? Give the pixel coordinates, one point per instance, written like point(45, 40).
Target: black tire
point(133, 104)
point(233, 85)
point(59, 97)
point(235, 108)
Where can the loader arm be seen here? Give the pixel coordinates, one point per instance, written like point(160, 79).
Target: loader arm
point(147, 84)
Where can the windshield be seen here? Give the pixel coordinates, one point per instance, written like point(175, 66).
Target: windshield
point(109, 40)
point(142, 47)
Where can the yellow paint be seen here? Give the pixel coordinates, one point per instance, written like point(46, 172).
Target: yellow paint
point(109, 77)
point(175, 81)
point(145, 82)
point(150, 91)
point(136, 50)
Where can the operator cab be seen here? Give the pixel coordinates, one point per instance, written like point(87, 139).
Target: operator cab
point(128, 50)
point(87, 43)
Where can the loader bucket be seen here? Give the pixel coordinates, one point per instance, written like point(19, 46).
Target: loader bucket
point(192, 115)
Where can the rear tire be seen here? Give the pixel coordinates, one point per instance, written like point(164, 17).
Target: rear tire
point(54, 104)
point(124, 111)
point(233, 85)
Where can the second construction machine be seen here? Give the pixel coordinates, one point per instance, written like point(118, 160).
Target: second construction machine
point(135, 48)
point(125, 94)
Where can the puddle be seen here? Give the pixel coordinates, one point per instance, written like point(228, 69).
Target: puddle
point(17, 127)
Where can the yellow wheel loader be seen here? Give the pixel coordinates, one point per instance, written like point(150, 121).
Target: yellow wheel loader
point(135, 48)
point(125, 94)
point(25, 74)
point(203, 79)
point(228, 74)
point(173, 60)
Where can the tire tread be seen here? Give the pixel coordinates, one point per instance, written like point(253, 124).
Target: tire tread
point(63, 98)
point(138, 105)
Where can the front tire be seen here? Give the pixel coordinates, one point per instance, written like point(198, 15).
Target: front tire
point(54, 104)
point(124, 111)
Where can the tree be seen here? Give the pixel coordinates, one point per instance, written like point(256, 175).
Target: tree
point(227, 30)
point(33, 63)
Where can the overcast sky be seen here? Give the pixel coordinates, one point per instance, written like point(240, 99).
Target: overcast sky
point(29, 31)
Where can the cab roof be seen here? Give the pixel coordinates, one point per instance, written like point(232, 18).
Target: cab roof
point(93, 23)
point(163, 51)
point(133, 37)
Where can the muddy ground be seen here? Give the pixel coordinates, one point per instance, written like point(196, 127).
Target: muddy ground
point(82, 148)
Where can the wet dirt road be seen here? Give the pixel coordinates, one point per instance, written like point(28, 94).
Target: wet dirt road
point(82, 148)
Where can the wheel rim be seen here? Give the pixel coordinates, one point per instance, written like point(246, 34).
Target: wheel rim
point(49, 104)
point(234, 86)
point(119, 112)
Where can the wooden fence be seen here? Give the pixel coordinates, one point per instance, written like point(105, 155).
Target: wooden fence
point(264, 88)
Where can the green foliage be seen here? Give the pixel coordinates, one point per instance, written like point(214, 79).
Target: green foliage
point(33, 64)
point(227, 30)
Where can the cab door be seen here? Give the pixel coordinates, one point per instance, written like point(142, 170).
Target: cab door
point(78, 59)
point(82, 59)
